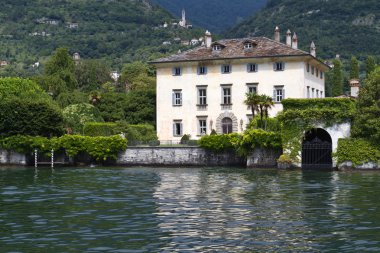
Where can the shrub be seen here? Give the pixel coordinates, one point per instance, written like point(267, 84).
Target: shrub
point(185, 138)
point(11, 88)
point(27, 117)
point(75, 116)
point(253, 138)
point(99, 128)
point(272, 124)
point(220, 142)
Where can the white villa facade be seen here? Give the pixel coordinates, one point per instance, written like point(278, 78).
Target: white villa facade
point(205, 88)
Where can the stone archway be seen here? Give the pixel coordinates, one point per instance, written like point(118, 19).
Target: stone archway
point(230, 115)
point(317, 149)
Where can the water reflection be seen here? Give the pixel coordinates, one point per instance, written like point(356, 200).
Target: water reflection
point(188, 210)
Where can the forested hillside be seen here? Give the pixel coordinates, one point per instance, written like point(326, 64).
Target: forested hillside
point(215, 15)
point(117, 31)
point(344, 27)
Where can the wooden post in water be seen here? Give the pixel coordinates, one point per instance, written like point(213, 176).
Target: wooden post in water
point(35, 159)
point(52, 158)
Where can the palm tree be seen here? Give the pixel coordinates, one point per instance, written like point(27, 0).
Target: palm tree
point(267, 104)
point(252, 100)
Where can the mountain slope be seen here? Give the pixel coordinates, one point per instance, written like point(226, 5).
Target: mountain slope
point(345, 27)
point(215, 15)
point(118, 31)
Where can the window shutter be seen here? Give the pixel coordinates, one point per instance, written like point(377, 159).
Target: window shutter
point(257, 67)
point(274, 66)
point(173, 98)
point(174, 129)
point(230, 68)
point(173, 71)
point(180, 98)
point(205, 70)
point(180, 129)
point(248, 67)
point(283, 93)
point(283, 66)
point(274, 95)
point(222, 69)
point(198, 70)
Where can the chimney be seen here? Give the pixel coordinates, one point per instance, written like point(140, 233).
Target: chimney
point(295, 41)
point(289, 38)
point(208, 39)
point(277, 34)
point(355, 86)
point(313, 49)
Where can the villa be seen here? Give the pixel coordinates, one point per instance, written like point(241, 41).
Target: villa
point(204, 88)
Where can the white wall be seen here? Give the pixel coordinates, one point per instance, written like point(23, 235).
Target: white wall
point(292, 78)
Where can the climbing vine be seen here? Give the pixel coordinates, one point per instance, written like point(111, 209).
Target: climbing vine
point(301, 115)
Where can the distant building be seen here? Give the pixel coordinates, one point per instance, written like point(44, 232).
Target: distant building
point(76, 58)
point(166, 43)
point(72, 25)
point(115, 75)
point(183, 23)
point(4, 63)
point(204, 88)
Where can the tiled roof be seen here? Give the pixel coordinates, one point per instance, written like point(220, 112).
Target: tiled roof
point(234, 48)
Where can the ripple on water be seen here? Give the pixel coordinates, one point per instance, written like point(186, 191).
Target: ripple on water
point(188, 210)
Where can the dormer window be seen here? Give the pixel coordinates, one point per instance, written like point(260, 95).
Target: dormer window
point(248, 45)
point(216, 47)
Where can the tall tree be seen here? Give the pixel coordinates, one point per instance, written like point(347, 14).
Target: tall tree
point(91, 74)
point(337, 78)
point(370, 65)
point(354, 68)
point(59, 73)
point(367, 122)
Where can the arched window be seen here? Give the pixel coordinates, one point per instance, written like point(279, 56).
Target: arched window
point(227, 125)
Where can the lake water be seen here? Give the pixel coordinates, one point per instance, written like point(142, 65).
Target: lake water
point(188, 210)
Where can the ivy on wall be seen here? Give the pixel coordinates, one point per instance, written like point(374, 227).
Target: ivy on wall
point(357, 151)
point(301, 115)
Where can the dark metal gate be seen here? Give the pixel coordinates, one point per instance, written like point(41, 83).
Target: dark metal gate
point(316, 154)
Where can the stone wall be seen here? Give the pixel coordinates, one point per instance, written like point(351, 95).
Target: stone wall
point(263, 158)
point(177, 156)
point(12, 158)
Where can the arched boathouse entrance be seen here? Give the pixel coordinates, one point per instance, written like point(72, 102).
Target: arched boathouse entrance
point(317, 150)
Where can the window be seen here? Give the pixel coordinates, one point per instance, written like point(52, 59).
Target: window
point(278, 66)
point(312, 92)
point(317, 74)
point(321, 75)
point(321, 94)
point(202, 70)
point(226, 69)
point(202, 96)
point(177, 128)
point(226, 99)
point(317, 93)
point(312, 70)
point(177, 71)
point(248, 45)
point(177, 97)
point(216, 47)
point(278, 94)
point(226, 125)
point(252, 67)
point(202, 126)
point(308, 92)
point(252, 87)
point(308, 68)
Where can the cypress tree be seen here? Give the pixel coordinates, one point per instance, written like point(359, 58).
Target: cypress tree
point(337, 78)
point(354, 68)
point(370, 65)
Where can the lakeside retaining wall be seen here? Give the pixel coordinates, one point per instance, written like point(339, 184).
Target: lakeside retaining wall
point(161, 156)
point(177, 156)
